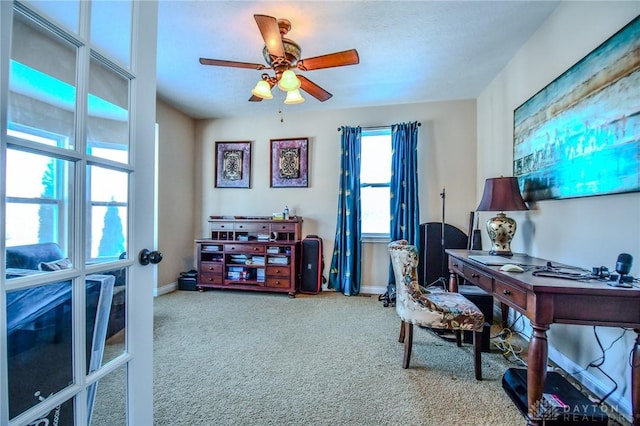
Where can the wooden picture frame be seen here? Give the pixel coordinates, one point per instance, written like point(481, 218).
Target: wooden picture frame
point(233, 164)
point(289, 163)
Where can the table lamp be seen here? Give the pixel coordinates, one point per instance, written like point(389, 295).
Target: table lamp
point(501, 194)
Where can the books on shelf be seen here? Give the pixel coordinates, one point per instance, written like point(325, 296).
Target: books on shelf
point(278, 260)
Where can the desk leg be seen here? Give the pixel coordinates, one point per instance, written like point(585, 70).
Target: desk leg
point(635, 380)
point(536, 370)
point(504, 308)
point(453, 282)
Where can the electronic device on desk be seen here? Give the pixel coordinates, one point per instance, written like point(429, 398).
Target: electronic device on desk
point(562, 403)
point(623, 267)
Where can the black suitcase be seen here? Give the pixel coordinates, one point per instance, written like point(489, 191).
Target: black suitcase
point(311, 265)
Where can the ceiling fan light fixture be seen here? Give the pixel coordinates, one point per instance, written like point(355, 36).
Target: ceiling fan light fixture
point(262, 90)
point(288, 81)
point(293, 97)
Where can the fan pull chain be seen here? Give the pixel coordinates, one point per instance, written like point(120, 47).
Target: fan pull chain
point(280, 104)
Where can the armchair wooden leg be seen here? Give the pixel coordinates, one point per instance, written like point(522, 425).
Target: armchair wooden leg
point(401, 338)
point(408, 342)
point(477, 352)
point(458, 335)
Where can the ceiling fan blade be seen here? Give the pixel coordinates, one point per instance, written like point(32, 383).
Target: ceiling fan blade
point(268, 26)
point(234, 64)
point(313, 89)
point(338, 59)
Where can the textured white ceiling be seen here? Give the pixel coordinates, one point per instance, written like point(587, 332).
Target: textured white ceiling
point(410, 51)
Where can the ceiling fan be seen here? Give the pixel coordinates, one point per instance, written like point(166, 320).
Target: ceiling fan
point(282, 55)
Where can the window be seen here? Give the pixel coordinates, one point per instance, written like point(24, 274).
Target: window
point(375, 179)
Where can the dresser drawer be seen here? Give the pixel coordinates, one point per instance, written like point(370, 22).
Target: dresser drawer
point(211, 267)
point(279, 272)
point(510, 295)
point(278, 282)
point(477, 277)
point(244, 248)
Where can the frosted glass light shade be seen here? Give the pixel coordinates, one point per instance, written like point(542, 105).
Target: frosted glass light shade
point(262, 90)
point(288, 81)
point(293, 97)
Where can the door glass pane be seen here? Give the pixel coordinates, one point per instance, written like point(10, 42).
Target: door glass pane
point(39, 346)
point(105, 298)
point(108, 121)
point(108, 212)
point(37, 212)
point(64, 12)
point(108, 405)
point(111, 29)
point(42, 90)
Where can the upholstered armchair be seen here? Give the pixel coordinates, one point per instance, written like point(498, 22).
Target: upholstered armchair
point(435, 308)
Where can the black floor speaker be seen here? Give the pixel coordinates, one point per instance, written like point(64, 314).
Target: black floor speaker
point(431, 265)
point(562, 403)
point(311, 265)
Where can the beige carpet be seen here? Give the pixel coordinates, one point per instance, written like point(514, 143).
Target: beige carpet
point(241, 358)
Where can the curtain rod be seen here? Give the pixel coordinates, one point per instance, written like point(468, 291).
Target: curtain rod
point(378, 127)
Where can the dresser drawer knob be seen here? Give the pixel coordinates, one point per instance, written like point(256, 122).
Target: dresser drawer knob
point(455, 264)
point(475, 276)
point(506, 292)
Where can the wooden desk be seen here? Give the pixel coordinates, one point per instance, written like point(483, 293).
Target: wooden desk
point(552, 300)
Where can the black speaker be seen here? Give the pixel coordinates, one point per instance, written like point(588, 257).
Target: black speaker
point(431, 266)
point(311, 265)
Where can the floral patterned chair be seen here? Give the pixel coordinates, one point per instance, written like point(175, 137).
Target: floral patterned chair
point(437, 308)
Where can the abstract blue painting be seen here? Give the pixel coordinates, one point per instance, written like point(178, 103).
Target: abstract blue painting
point(580, 135)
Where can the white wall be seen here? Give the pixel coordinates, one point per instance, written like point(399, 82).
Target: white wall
point(447, 159)
point(176, 215)
point(584, 232)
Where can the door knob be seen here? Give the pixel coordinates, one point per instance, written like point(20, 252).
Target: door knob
point(146, 256)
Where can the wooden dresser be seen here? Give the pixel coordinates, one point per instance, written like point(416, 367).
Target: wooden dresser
point(250, 253)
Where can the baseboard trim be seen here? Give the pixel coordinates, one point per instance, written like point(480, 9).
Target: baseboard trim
point(373, 289)
point(167, 288)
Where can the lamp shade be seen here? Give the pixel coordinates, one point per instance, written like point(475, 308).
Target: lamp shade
point(293, 97)
point(501, 194)
point(262, 90)
point(288, 81)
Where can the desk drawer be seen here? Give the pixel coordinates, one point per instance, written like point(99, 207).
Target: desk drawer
point(252, 227)
point(283, 227)
point(477, 277)
point(244, 248)
point(510, 295)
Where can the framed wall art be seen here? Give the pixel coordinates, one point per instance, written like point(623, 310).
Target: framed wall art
point(233, 164)
point(289, 166)
point(580, 135)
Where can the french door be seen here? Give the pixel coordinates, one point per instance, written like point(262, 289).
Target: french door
point(77, 163)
